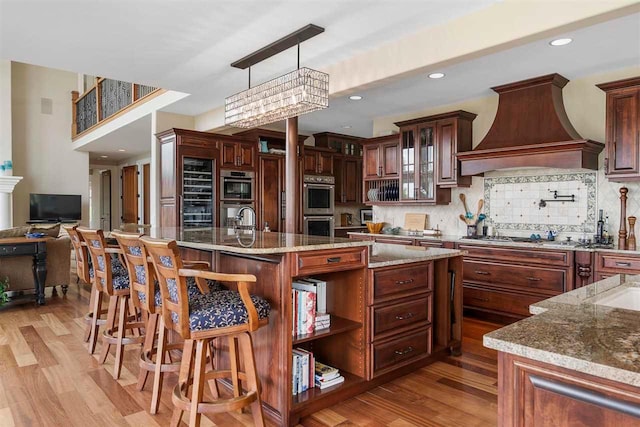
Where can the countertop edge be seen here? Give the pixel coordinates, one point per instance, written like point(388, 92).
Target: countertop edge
point(272, 251)
point(428, 258)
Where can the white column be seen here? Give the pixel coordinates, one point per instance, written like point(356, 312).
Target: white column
point(7, 184)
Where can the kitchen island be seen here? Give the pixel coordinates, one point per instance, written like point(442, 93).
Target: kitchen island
point(576, 361)
point(392, 309)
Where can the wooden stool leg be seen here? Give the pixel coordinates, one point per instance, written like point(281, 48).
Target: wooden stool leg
point(253, 382)
point(158, 374)
point(198, 383)
point(147, 348)
point(92, 302)
point(213, 384)
point(183, 379)
point(233, 358)
point(111, 320)
point(93, 333)
point(122, 325)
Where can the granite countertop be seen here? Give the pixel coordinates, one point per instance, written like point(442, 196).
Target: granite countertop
point(349, 227)
point(574, 332)
point(255, 242)
point(543, 244)
point(383, 254)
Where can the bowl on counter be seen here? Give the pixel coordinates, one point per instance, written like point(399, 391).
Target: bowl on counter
point(374, 227)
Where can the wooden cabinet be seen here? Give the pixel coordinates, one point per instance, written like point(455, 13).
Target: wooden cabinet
point(179, 147)
point(381, 157)
point(429, 148)
point(348, 173)
point(622, 146)
point(532, 393)
point(237, 155)
point(270, 192)
point(610, 263)
point(501, 282)
point(400, 311)
point(317, 162)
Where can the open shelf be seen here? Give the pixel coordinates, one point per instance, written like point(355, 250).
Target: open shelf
point(315, 393)
point(338, 325)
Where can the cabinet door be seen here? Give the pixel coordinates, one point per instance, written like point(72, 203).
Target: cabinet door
point(408, 164)
point(426, 161)
point(246, 155)
point(228, 155)
point(270, 172)
point(325, 163)
point(390, 160)
point(309, 164)
point(446, 137)
point(623, 108)
point(338, 174)
point(371, 159)
point(352, 181)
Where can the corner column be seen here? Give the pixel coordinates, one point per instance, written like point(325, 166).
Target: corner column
point(292, 187)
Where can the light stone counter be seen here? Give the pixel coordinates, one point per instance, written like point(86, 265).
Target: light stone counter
point(573, 332)
point(256, 242)
point(384, 255)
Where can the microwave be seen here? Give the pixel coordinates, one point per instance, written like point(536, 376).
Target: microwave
point(237, 185)
point(318, 195)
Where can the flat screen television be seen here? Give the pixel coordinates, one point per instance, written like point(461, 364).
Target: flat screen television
point(55, 207)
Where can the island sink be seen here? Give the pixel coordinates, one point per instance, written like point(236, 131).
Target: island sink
point(628, 299)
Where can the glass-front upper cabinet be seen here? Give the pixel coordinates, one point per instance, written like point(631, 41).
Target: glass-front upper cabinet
point(408, 164)
point(426, 161)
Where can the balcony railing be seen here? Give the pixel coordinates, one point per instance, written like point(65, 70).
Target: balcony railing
point(106, 100)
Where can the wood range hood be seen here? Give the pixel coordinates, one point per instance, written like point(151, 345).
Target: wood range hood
point(531, 129)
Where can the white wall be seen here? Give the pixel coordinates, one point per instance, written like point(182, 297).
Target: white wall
point(41, 143)
point(5, 110)
point(585, 106)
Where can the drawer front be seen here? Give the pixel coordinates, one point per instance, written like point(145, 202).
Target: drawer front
point(497, 301)
point(429, 244)
point(398, 281)
point(529, 256)
point(24, 249)
point(401, 350)
point(396, 316)
point(614, 263)
point(526, 277)
point(392, 241)
point(321, 262)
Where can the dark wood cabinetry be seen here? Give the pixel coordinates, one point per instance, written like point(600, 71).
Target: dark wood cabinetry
point(381, 157)
point(532, 393)
point(271, 191)
point(501, 282)
point(237, 155)
point(176, 145)
point(622, 146)
point(317, 161)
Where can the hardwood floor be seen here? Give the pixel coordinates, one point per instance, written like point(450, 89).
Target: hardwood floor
point(47, 378)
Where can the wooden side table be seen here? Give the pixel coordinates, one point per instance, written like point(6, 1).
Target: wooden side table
point(21, 246)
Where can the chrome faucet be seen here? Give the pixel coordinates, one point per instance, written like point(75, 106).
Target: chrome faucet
point(240, 216)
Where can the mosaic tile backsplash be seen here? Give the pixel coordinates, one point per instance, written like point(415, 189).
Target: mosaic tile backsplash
point(514, 202)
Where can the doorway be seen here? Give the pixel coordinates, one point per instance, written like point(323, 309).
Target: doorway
point(105, 200)
point(130, 195)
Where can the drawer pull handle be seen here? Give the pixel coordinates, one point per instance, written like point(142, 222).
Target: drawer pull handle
point(623, 264)
point(534, 279)
point(480, 299)
point(406, 316)
point(333, 259)
point(484, 273)
point(404, 282)
point(405, 351)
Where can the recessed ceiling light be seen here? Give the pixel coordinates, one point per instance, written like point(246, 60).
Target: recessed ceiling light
point(346, 127)
point(104, 157)
point(122, 150)
point(355, 97)
point(560, 42)
point(436, 75)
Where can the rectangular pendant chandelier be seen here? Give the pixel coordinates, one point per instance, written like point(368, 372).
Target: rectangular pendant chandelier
point(290, 95)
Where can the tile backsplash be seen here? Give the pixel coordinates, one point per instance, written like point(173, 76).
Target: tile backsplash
point(514, 202)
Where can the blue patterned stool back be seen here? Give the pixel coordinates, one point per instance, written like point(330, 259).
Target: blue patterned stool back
point(81, 252)
point(141, 274)
point(108, 275)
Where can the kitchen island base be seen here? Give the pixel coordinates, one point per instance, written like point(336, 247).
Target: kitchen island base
point(347, 344)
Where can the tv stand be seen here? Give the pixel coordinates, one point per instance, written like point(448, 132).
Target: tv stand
point(44, 221)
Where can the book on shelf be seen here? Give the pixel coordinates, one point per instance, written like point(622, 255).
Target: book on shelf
point(325, 371)
point(323, 320)
point(322, 384)
point(302, 371)
point(320, 288)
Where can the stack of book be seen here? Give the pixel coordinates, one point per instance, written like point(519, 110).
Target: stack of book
point(327, 376)
point(309, 303)
point(302, 370)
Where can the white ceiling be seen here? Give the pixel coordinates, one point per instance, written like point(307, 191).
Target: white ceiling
point(135, 138)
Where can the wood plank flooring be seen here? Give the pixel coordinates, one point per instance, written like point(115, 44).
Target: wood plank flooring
point(47, 378)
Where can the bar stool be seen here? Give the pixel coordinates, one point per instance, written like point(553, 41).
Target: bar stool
point(117, 288)
point(225, 314)
point(155, 358)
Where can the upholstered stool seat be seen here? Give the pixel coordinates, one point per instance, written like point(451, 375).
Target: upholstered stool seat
point(226, 314)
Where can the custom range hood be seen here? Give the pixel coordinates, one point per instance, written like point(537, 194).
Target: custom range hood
point(531, 129)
